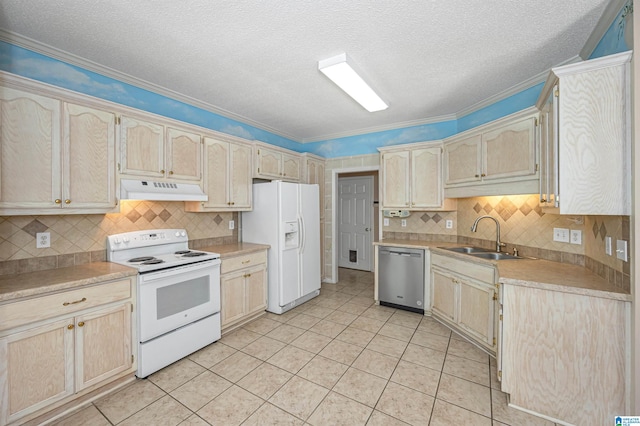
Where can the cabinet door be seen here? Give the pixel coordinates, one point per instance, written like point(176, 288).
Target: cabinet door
point(30, 161)
point(509, 151)
point(256, 290)
point(395, 179)
point(426, 177)
point(216, 173)
point(184, 154)
point(269, 162)
point(476, 313)
point(240, 178)
point(36, 369)
point(232, 296)
point(291, 167)
point(141, 147)
point(462, 160)
point(88, 158)
point(444, 295)
point(103, 345)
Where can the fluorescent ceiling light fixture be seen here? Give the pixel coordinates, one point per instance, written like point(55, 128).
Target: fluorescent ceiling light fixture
point(342, 74)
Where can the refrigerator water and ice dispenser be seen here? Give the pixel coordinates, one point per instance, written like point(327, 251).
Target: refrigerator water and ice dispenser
point(291, 235)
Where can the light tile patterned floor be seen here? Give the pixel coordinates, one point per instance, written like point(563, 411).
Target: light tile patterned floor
point(335, 360)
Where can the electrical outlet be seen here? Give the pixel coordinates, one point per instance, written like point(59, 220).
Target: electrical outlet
point(448, 224)
point(576, 236)
point(621, 250)
point(561, 235)
point(403, 223)
point(232, 224)
point(43, 239)
point(607, 245)
point(386, 221)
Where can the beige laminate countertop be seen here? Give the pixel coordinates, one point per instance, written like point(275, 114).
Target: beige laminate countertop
point(236, 249)
point(36, 283)
point(535, 273)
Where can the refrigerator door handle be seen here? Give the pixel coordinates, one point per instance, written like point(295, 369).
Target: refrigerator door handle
point(301, 232)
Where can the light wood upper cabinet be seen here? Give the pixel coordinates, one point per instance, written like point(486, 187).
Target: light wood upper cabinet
point(30, 160)
point(412, 178)
point(549, 152)
point(184, 155)
point(590, 128)
point(89, 158)
point(141, 147)
point(149, 149)
point(46, 167)
point(276, 163)
point(227, 177)
point(500, 153)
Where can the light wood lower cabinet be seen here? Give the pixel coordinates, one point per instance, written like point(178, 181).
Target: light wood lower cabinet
point(565, 355)
point(464, 297)
point(243, 288)
point(51, 361)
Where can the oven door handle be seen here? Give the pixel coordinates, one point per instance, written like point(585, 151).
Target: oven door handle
point(159, 275)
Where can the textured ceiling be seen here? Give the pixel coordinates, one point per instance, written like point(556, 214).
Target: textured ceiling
point(257, 60)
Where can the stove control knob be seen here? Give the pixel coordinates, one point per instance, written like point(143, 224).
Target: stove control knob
point(177, 233)
point(184, 234)
point(117, 240)
point(125, 239)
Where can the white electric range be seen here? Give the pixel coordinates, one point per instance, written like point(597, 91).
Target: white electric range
point(178, 294)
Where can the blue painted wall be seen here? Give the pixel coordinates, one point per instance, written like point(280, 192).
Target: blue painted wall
point(39, 67)
point(619, 36)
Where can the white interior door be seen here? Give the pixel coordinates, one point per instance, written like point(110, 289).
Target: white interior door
point(355, 231)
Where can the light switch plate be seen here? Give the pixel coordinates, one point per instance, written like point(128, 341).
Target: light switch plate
point(561, 235)
point(448, 224)
point(403, 223)
point(621, 250)
point(607, 245)
point(386, 221)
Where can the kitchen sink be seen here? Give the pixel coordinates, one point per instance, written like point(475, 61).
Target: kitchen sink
point(495, 256)
point(466, 250)
point(482, 253)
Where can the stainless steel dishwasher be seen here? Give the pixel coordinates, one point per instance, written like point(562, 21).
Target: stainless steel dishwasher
point(401, 278)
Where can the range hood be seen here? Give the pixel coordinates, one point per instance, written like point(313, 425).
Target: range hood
point(132, 189)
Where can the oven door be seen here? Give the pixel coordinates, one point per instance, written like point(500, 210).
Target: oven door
point(172, 298)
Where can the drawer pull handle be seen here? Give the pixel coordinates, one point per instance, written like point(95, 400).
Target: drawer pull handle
point(81, 323)
point(70, 326)
point(244, 262)
point(84, 299)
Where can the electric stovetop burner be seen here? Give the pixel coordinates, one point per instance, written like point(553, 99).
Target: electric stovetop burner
point(182, 252)
point(195, 254)
point(141, 259)
point(152, 261)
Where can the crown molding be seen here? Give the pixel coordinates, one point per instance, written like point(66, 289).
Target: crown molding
point(608, 17)
point(70, 58)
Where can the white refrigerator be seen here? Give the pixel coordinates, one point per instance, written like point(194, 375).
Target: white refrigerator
point(287, 217)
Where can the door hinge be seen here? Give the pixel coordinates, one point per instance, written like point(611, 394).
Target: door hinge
point(495, 296)
point(117, 201)
point(258, 169)
point(118, 166)
point(131, 308)
point(494, 341)
point(117, 119)
point(555, 92)
point(500, 374)
point(537, 167)
point(258, 152)
point(500, 317)
point(536, 122)
point(131, 359)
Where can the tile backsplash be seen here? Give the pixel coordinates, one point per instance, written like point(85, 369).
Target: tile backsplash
point(77, 239)
point(523, 224)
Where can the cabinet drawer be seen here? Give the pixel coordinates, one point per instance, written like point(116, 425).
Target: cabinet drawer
point(470, 269)
point(40, 308)
point(244, 261)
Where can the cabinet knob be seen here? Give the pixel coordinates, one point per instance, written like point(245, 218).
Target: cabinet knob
point(162, 171)
point(477, 176)
point(81, 323)
point(70, 326)
point(543, 200)
point(483, 175)
point(233, 203)
point(67, 201)
point(170, 172)
point(58, 201)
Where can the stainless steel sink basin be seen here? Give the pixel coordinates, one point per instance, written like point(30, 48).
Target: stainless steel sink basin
point(466, 250)
point(482, 253)
point(495, 256)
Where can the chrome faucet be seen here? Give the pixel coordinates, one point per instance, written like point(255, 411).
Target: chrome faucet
point(475, 226)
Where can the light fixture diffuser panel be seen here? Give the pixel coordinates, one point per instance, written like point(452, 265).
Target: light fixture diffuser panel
point(338, 70)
